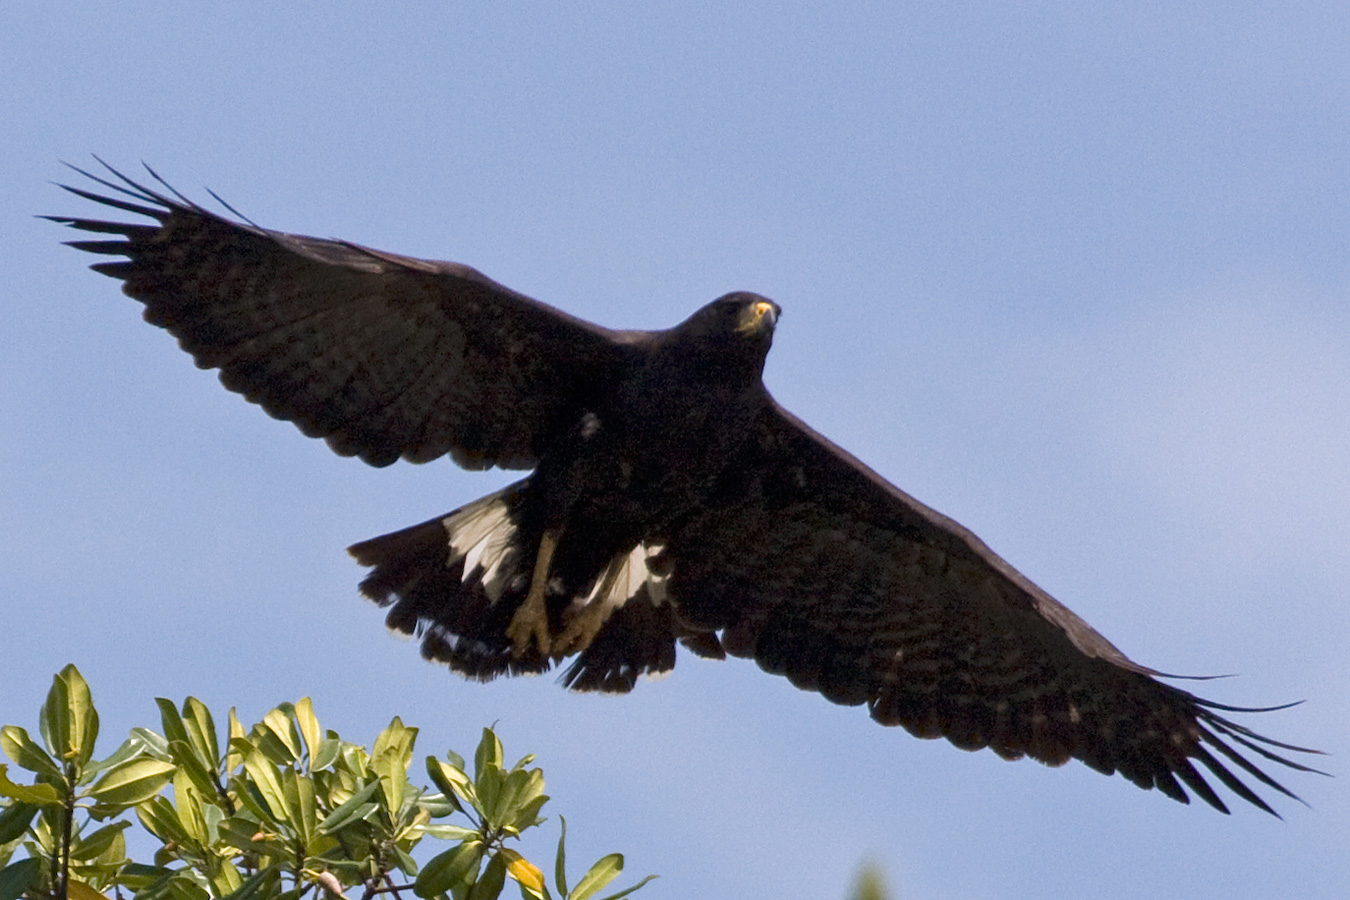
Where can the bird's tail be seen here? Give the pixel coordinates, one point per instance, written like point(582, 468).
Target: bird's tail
point(455, 581)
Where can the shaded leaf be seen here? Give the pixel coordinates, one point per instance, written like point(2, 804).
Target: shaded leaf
point(446, 870)
point(14, 819)
point(16, 878)
point(489, 884)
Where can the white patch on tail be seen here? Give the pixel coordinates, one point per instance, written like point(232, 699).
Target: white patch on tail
point(621, 579)
point(481, 535)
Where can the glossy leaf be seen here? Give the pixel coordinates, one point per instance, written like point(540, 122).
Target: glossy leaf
point(448, 869)
point(526, 873)
point(308, 724)
point(626, 891)
point(201, 731)
point(69, 721)
point(488, 755)
point(267, 780)
point(605, 870)
point(326, 754)
point(26, 753)
point(131, 782)
point(277, 738)
point(35, 794)
point(170, 721)
point(96, 844)
point(560, 864)
point(161, 819)
point(358, 806)
point(193, 767)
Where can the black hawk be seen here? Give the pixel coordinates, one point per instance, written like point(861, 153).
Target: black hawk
point(672, 501)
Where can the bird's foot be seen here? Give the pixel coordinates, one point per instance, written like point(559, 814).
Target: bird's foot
point(582, 626)
point(529, 624)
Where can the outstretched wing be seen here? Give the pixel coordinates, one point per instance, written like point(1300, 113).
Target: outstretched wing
point(820, 570)
point(384, 356)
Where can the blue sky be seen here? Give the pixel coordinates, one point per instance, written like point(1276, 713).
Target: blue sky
point(1075, 275)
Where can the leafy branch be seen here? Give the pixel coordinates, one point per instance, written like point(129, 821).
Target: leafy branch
point(282, 810)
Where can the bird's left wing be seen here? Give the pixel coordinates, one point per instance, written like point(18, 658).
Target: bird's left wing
point(384, 356)
point(815, 566)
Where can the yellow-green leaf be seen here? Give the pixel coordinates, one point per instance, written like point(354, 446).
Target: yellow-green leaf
point(602, 873)
point(526, 873)
point(78, 890)
point(36, 794)
point(25, 752)
point(308, 724)
point(69, 721)
point(131, 782)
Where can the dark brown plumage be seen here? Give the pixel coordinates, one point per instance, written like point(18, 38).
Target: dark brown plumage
point(672, 500)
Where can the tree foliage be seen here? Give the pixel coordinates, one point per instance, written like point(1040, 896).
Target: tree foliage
point(283, 810)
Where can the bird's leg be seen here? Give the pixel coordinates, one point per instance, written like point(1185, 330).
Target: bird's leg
point(582, 625)
point(531, 618)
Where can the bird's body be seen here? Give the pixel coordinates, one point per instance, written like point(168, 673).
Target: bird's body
point(672, 500)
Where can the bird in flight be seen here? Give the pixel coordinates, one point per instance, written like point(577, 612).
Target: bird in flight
point(671, 501)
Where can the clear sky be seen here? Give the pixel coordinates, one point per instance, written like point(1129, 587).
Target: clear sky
point(1074, 274)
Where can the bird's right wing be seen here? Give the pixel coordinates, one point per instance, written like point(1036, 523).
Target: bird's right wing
point(384, 356)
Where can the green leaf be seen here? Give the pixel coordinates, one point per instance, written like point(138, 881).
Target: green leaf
point(14, 821)
point(159, 817)
point(267, 780)
point(357, 806)
point(78, 890)
point(487, 756)
point(171, 721)
point(94, 845)
point(17, 877)
point(452, 781)
point(201, 731)
point(560, 866)
point(193, 767)
point(131, 782)
point(69, 721)
point(390, 757)
point(325, 755)
point(626, 891)
point(299, 793)
point(36, 794)
point(277, 733)
point(153, 744)
point(489, 884)
point(188, 801)
point(606, 869)
point(308, 724)
point(444, 871)
point(449, 832)
point(25, 753)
